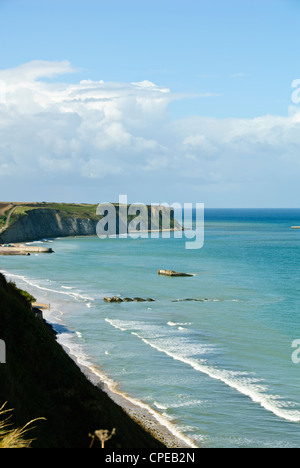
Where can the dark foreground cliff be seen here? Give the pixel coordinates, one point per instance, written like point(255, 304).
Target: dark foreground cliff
point(40, 380)
point(35, 221)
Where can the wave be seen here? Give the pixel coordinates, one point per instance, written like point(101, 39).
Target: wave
point(177, 404)
point(195, 299)
point(32, 283)
point(176, 324)
point(35, 242)
point(243, 385)
point(160, 406)
point(242, 382)
point(183, 343)
point(78, 353)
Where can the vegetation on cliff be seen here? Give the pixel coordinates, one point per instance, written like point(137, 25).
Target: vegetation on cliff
point(34, 221)
point(39, 380)
point(68, 210)
point(14, 437)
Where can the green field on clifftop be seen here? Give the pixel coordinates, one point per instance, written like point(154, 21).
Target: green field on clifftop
point(67, 210)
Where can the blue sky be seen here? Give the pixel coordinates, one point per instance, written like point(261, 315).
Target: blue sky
point(191, 101)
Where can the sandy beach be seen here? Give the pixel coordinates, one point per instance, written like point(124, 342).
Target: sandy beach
point(148, 418)
point(152, 421)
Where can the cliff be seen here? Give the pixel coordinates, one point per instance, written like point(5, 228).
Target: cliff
point(30, 222)
point(39, 379)
point(33, 223)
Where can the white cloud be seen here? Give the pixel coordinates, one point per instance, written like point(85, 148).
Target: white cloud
point(96, 129)
point(88, 124)
point(199, 143)
point(35, 70)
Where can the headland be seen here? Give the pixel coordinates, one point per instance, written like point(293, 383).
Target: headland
point(29, 222)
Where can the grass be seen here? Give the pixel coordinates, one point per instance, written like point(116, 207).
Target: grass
point(28, 297)
point(67, 210)
point(4, 215)
point(11, 437)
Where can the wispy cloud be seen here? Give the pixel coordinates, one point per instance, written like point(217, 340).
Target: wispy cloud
point(222, 76)
point(35, 70)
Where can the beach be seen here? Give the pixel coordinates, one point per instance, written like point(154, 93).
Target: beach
point(141, 413)
point(151, 420)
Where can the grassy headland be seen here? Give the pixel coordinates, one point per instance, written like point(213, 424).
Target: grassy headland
point(26, 222)
point(69, 210)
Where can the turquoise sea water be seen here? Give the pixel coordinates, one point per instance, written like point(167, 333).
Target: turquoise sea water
point(219, 368)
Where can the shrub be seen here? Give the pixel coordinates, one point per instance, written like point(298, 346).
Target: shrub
point(28, 297)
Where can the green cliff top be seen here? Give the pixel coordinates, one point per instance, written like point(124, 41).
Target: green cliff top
point(11, 212)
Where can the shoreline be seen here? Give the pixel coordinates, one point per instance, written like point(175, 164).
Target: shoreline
point(24, 248)
point(141, 413)
point(135, 234)
point(151, 420)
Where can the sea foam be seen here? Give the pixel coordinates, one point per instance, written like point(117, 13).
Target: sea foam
point(249, 386)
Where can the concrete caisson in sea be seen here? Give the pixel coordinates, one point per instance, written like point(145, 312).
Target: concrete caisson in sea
point(127, 299)
point(113, 299)
point(172, 273)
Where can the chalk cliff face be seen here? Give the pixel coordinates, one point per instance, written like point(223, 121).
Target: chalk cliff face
point(42, 223)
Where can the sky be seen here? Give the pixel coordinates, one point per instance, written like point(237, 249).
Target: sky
point(165, 101)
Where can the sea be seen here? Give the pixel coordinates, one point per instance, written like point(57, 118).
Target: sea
point(212, 355)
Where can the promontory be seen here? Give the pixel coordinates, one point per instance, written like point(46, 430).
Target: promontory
point(28, 222)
